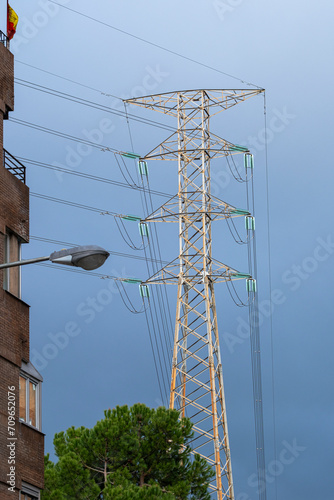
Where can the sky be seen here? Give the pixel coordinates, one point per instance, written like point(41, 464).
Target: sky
point(100, 354)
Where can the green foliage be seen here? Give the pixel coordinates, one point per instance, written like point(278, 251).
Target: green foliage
point(134, 453)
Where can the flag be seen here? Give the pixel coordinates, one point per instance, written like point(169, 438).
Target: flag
point(12, 20)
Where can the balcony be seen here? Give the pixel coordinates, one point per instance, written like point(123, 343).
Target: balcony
point(4, 39)
point(14, 166)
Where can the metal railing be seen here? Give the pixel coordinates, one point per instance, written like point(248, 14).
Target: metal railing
point(4, 39)
point(14, 166)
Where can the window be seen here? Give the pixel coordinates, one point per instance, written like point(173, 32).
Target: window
point(30, 396)
point(12, 276)
point(24, 496)
point(29, 492)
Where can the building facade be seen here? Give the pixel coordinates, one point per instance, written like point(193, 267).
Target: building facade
point(21, 439)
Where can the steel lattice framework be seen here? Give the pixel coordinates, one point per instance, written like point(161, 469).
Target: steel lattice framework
point(197, 388)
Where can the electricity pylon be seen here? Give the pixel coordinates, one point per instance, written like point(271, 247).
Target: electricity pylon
point(197, 388)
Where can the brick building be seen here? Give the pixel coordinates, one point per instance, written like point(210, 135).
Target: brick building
point(21, 439)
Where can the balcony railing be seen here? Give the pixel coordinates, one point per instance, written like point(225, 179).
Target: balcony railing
point(4, 39)
point(14, 166)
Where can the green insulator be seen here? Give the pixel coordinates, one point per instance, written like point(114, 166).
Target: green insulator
point(144, 291)
point(134, 156)
point(236, 147)
point(249, 160)
point(240, 275)
point(132, 281)
point(237, 211)
point(250, 223)
point(133, 218)
point(251, 285)
point(143, 169)
point(143, 229)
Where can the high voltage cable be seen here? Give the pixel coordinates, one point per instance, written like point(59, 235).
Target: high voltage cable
point(148, 260)
point(77, 271)
point(68, 244)
point(69, 80)
point(63, 135)
point(154, 44)
point(256, 349)
point(157, 313)
point(90, 104)
point(87, 176)
point(270, 286)
point(154, 318)
point(73, 204)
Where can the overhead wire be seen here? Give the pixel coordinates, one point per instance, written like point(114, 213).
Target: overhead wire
point(234, 232)
point(154, 44)
point(67, 79)
point(156, 313)
point(148, 260)
point(162, 388)
point(73, 204)
point(78, 271)
point(126, 299)
point(156, 316)
point(255, 347)
point(90, 104)
point(128, 240)
point(164, 296)
point(132, 183)
point(119, 282)
point(63, 135)
point(87, 176)
point(161, 293)
point(270, 288)
point(66, 243)
point(229, 283)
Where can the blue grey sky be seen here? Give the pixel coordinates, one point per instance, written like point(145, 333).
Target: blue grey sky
point(284, 47)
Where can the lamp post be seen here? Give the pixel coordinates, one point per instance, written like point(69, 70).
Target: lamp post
point(88, 257)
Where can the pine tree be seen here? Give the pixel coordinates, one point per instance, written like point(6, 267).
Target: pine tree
point(135, 453)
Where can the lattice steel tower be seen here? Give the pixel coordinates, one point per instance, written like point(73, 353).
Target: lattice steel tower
point(197, 388)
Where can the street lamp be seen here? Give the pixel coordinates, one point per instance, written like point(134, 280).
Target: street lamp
point(88, 257)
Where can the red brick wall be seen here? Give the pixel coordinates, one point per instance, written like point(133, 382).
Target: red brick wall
point(29, 443)
point(6, 79)
point(8, 495)
point(14, 329)
point(1, 135)
point(30, 457)
point(14, 204)
point(14, 314)
point(9, 376)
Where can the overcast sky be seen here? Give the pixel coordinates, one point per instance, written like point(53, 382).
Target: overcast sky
point(284, 47)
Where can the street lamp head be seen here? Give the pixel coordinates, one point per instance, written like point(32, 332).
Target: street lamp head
point(88, 257)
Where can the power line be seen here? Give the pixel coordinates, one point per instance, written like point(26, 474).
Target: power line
point(87, 176)
point(91, 104)
point(270, 287)
point(73, 204)
point(156, 318)
point(68, 244)
point(154, 44)
point(77, 271)
point(68, 80)
point(255, 345)
point(63, 135)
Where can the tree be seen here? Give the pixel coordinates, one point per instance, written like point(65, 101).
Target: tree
point(134, 453)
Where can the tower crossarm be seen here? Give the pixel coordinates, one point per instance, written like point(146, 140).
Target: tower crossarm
point(168, 103)
point(171, 274)
point(191, 147)
point(217, 210)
